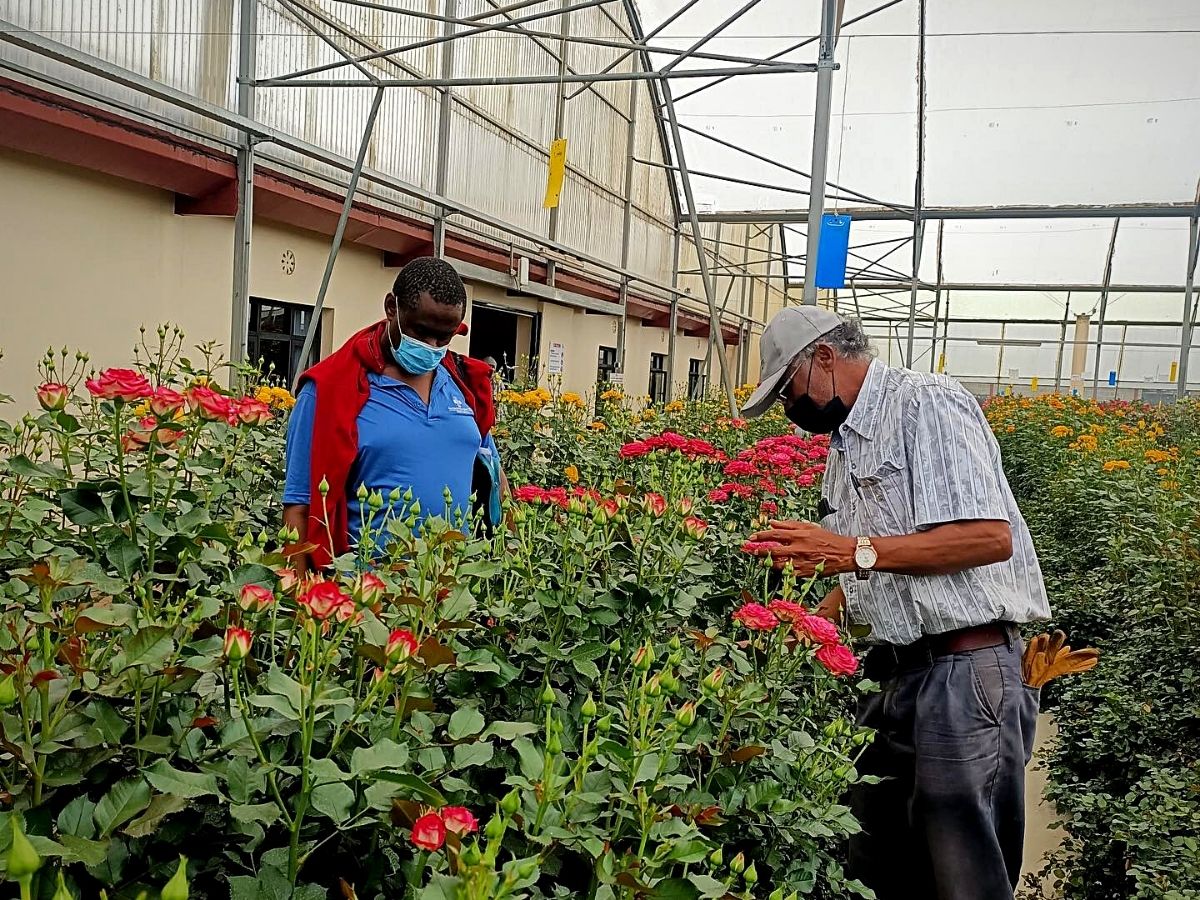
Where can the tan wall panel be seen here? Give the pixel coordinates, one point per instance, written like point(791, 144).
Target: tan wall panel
point(87, 260)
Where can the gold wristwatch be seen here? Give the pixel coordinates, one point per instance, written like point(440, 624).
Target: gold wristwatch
point(865, 557)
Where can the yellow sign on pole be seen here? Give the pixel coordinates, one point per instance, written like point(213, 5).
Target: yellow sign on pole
point(1174, 371)
point(941, 363)
point(1033, 384)
point(558, 169)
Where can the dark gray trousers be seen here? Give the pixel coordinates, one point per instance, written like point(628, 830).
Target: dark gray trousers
point(954, 735)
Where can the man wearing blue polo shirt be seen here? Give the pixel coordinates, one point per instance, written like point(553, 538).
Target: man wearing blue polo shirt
point(390, 411)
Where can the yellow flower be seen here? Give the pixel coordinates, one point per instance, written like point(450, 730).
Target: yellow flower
point(1157, 456)
point(612, 394)
point(649, 414)
point(1170, 485)
point(597, 426)
point(675, 406)
point(278, 397)
point(1163, 471)
point(570, 398)
point(1060, 431)
point(142, 409)
point(1114, 464)
point(572, 474)
point(1098, 429)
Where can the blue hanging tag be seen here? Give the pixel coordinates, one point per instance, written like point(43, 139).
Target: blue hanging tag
point(832, 251)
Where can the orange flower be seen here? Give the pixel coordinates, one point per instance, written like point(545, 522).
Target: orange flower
point(1114, 464)
point(1060, 431)
point(572, 474)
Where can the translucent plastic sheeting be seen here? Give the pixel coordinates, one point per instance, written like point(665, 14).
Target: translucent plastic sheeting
point(1027, 102)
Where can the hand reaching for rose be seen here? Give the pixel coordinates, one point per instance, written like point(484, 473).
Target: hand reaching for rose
point(807, 546)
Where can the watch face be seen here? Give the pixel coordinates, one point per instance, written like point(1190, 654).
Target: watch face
point(865, 557)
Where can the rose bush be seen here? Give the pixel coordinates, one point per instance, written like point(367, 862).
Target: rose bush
point(588, 703)
point(1111, 493)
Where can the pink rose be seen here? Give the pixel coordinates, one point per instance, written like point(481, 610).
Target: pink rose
point(787, 611)
point(237, 643)
point(459, 820)
point(635, 449)
point(209, 404)
point(324, 598)
point(816, 629)
point(655, 504)
point(53, 396)
point(371, 588)
point(166, 402)
point(755, 617)
point(255, 598)
point(252, 412)
point(119, 384)
point(838, 659)
point(694, 527)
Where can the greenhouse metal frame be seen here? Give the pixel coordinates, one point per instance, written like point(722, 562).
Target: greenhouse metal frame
point(870, 274)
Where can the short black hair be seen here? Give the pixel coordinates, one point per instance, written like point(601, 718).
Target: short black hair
point(429, 275)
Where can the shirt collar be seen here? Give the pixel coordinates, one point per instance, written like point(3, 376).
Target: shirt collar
point(864, 416)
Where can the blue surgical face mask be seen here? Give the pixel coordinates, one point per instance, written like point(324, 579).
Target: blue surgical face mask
point(417, 358)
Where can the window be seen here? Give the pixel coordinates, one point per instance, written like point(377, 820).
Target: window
point(606, 365)
point(697, 379)
point(658, 378)
point(275, 337)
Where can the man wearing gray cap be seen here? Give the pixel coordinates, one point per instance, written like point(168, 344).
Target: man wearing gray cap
point(930, 550)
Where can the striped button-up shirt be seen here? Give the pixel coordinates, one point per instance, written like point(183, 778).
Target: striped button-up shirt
point(916, 452)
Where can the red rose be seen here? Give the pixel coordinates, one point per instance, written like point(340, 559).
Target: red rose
point(635, 449)
point(755, 617)
point(429, 832)
point(838, 659)
point(322, 599)
point(237, 643)
point(371, 588)
point(760, 548)
point(655, 504)
point(401, 645)
point(209, 404)
point(166, 402)
point(694, 527)
point(119, 384)
point(459, 820)
point(529, 493)
point(53, 396)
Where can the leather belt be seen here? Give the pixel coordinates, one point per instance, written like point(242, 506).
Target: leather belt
point(890, 658)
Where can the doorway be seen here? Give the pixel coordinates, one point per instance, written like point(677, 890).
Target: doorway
point(506, 339)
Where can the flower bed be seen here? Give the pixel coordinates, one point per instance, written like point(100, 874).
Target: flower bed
point(608, 698)
point(1112, 492)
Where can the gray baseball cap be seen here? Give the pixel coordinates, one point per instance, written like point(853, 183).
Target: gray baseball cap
point(785, 336)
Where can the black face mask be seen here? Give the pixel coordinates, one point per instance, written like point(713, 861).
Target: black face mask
point(814, 419)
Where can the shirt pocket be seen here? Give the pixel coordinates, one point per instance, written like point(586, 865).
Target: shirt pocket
point(883, 498)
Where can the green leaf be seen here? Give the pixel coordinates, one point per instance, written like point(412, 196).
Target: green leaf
point(586, 668)
point(266, 814)
point(84, 507)
point(416, 785)
point(149, 647)
point(189, 785)
point(88, 852)
point(532, 759)
point(125, 556)
point(279, 683)
point(161, 806)
point(99, 618)
point(124, 801)
point(707, 885)
point(674, 889)
point(383, 755)
point(75, 819)
point(507, 731)
point(334, 800)
point(589, 651)
point(464, 722)
point(472, 754)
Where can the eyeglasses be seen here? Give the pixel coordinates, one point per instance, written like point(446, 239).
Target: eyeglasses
point(785, 392)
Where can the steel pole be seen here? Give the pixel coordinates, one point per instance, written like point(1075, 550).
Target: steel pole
point(560, 113)
point(937, 299)
point(445, 119)
point(338, 234)
point(1062, 345)
point(243, 223)
point(674, 318)
point(1108, 261)
point(627, 218)
point(1189, 288)
point(714, 318)
point(820, 148)
point(918, 243)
